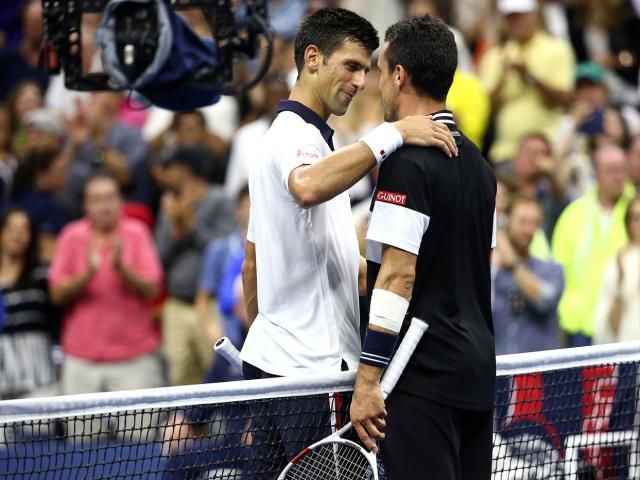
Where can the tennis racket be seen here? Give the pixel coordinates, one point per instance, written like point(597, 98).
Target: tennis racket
point(335, 457)
point(231, 354)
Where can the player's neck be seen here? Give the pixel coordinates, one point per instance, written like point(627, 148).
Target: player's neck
point(418, 105)
point(309, 98)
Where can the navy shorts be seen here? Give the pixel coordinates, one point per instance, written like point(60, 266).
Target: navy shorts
point(425, 436)
point(282, 428)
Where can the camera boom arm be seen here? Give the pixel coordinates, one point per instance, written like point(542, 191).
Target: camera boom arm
point(62, 50)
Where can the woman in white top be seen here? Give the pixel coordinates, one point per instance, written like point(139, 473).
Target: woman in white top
point(618, 317)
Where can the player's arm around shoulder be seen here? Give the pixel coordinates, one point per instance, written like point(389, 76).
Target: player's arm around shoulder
point(315, 182)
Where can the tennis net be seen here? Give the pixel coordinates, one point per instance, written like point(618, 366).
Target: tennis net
point(565, 414)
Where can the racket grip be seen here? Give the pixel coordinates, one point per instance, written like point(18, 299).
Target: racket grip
point(225, 348)
point(402, 355)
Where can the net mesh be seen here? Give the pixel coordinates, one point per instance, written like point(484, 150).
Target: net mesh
point(577, 420)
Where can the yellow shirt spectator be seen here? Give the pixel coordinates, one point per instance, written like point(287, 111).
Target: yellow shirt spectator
point(522, 108)
point(470, 105)
point(585, 240)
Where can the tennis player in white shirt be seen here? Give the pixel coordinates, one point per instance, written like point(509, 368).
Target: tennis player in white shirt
point(302, 262)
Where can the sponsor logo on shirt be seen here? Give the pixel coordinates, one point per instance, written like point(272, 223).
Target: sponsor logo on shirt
point(390, 197)
point(302, 153)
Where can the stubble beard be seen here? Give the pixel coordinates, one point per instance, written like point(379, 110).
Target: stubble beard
point(390, 113)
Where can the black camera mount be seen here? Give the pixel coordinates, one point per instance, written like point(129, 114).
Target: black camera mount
point(62, 48)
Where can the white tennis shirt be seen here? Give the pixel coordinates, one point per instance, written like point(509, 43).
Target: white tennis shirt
point(306, 258)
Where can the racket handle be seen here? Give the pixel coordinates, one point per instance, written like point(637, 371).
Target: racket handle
point(225, 348)
point(402, 355)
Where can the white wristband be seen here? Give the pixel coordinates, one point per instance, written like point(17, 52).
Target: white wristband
point(387, 310)
point(383, 141)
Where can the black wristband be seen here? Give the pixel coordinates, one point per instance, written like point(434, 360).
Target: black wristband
point(378, 348)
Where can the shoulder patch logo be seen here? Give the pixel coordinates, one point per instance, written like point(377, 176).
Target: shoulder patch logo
point(390, 197)
point(307, 154)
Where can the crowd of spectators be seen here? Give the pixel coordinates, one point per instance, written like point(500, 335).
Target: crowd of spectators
point(123, 229)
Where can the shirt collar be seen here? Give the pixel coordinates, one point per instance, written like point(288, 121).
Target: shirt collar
point(446, 117)
point(308, 116)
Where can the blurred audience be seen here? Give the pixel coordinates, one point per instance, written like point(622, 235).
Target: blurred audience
point(218, 301)
point(189, 129)
point(105, 270)
point(633, 156)
point(540, 247)
point(587, 237)
point(26, 97)
point(441, 10)
point(534, 172)
point(20, 62)
point(582, 128)
point(43, 174)
point(10, 23)
point(193, 212)
point(611, 38)
point(45, 130)
point(470, 102)
point(221, 120)
point(100, 141)
point(8, 161)
point(619, 309)
point(28, 322)
point(529, 78)
point(526, 290)
point(246, 140)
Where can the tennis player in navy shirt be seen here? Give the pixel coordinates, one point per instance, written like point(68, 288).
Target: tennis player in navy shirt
point(429, 244)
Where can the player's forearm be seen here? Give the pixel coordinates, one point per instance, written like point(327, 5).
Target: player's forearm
point(329, 177)
point(389, 304)
point(397, 278)
point(250, 282)
point(368, 375)
point(250, 298)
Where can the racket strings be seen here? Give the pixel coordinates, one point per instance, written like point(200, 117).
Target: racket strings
point(332, 461)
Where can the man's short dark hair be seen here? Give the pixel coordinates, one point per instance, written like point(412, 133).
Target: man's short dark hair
point(329, 28)
point(425, 47)
point(35, 162)
point(195, 158)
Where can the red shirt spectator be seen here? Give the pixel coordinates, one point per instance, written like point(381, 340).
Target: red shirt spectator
point(104, 271)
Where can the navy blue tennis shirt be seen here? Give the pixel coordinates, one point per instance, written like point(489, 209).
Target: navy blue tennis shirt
point(442, 210)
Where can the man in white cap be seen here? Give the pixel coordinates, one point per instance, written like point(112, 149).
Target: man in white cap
point(529, 77)
point(45, 130)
